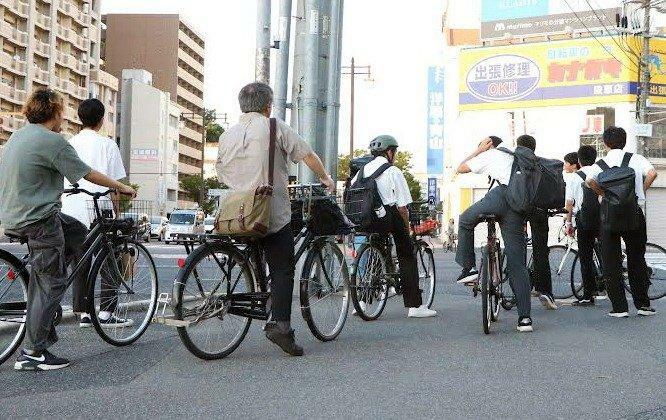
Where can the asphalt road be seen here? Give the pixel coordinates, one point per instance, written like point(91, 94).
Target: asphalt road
point(578, 363)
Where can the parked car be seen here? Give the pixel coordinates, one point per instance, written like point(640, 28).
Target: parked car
point(184, 222)
point(158, 227)
point(209, 223)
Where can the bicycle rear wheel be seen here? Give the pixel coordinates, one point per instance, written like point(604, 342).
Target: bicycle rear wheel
point(486, 300)
point(324, 290)
point(576, 282)
point(124, 286)
point(13, 298)
point(201, 297)
point(369, 286)
point(425, 261)
point(561, 264)
point(655, 257)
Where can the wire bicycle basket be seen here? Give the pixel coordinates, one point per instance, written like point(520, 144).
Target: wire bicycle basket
point(139, 211)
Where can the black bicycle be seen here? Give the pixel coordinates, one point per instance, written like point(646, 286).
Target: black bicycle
point(655, 257)
point(224, 284)
point(375, 271)
point(122, 282)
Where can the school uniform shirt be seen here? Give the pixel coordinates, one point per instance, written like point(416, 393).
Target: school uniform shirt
point(575, 190)
point(494, 163)
point(101, 154)
point(392, 185)
point(638, 163)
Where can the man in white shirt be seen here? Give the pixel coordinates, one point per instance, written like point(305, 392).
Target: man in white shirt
point(582, 205)
point(101, 154)
point(615, 138)
point(487, 160)
point(394, 219)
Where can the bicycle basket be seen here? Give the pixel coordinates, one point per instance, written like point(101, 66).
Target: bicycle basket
point(310, 205)
point(139, 211)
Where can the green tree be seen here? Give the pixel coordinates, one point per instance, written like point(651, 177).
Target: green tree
point(193, 185)
point(125, 202)
point(213, 129)
point(403, 161)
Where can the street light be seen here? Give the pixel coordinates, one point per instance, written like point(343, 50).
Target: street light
point(205, 120)
point(353, 71)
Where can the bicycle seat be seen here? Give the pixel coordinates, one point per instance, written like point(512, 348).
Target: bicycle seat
point(16, 236)
point(487, 217)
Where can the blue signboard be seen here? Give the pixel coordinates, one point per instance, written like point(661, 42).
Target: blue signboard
point(435, 120)
point(432, 192)
point(512, 9)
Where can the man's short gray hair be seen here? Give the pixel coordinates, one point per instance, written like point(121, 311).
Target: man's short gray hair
point(255, 97)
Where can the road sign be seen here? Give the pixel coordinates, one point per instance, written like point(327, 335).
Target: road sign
point(643, 130)
point(432, 192)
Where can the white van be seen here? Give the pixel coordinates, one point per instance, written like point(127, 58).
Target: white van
point(184, 221)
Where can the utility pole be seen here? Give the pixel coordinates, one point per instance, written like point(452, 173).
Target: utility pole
point(353, 71)
point(262, 72)
point(282, 66)
point(642, 146)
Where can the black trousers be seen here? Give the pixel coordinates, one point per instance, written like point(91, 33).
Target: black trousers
point(278, 250)
point(611, 251)
point(542, 281)
point(394, 224)
point(586, 255)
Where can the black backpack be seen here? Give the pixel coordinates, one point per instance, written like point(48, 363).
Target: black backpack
point(535, 182)
point(362, 199)
point(619, 205)
point(587, 217)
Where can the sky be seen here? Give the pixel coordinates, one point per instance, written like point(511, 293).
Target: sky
point(399, 40)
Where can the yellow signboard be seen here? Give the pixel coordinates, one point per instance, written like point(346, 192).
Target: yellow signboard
point(581, 71)
point(657, 62)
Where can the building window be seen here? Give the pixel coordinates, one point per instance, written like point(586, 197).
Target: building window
point(172, 195)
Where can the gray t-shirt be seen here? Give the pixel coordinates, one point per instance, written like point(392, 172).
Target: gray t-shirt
point(33, 165)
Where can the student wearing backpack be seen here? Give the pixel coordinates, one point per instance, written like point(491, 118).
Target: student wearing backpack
point(583, 221)
point(487, 159)
point(621, 179)
point(391, 216)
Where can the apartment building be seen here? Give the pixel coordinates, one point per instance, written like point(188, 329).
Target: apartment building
point(173, 52)
point(149, 139)
point(56, 44)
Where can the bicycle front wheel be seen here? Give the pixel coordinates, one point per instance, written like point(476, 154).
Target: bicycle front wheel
point(486, 299)
point(425, 261)
point(203, 296)
point(369, 286)
point(123, 293)
point(324, 293)
point(655, 257)
point(13, 304)
point(576, 283)
point(561, 264)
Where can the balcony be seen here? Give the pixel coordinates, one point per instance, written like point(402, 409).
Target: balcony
point(42, 76)
point(72, 115)
point(78, 41)
point(72, 10)
point(15, 64)
point(184, 168)
point(103, 78)
point(11, 123)
point(190, 133)
point(65, 59)
point(189, 78)
point(12, 94)
point(182, 55)
point(43, 21)
point(63, 32)
point(20, 8)
point(42, 48)
point(190, 43)
point(65, 86)
point(190, 97)
point(14, 35)
point(82, 67)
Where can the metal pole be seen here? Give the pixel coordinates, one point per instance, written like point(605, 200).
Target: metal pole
point(262, 72)
point(642, 143)
point(282, 69)
point(351, 117)
point(310, 86)
point(203, 159)
point(333, 88)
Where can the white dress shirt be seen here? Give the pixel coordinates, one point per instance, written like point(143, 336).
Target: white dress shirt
point(576, 188)
point(494, 163)
point(392, 185)
point(101, 154)
point(638, 163)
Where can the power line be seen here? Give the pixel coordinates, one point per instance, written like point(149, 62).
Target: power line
point(611, 35)
point(596, 38)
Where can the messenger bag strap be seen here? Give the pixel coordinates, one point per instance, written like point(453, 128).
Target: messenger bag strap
point(603, 165)
point(626, 159)
point(271, 151)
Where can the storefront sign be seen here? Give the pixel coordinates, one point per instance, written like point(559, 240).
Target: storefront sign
point(435, 131)
point(512, 9)
point(145, 155)
point(432, 191)
point(542, 74)
point(594, 125)
point(548, 24)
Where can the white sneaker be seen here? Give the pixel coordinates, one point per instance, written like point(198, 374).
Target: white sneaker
point(421, 312)
point(618, 314)
point(392, 292)
point(363, 307)
point(85, 321)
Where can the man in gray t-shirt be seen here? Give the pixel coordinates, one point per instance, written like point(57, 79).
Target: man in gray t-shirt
point(34, 163)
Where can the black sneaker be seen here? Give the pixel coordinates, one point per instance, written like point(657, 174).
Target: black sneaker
point(583, 302)
point(115, 322)
point(84, 321)
point(646, 311)
point(284, 340)
point(468, 276)
point(548, 301)
point(39, 361)
point(525, 324)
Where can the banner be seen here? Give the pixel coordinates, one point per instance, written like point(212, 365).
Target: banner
point(581, 71)
point(512, 9)
point(657, 63)
point(435, 131)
